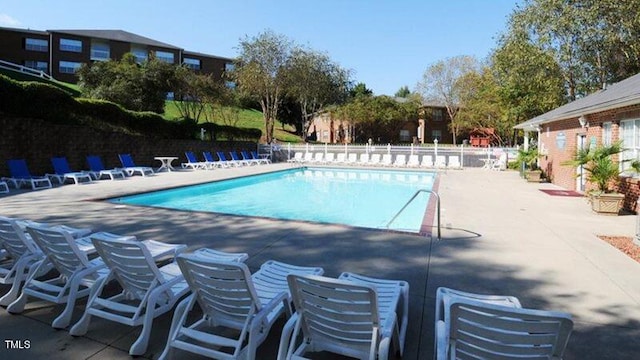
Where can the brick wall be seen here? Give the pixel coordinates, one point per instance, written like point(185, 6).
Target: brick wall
point(38, 141)
point(630, 187)
point(551, 138)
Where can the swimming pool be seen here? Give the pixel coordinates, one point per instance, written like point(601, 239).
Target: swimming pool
point(363, 198)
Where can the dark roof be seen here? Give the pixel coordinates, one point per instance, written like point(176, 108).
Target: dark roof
point(118, 35)
point(194, 53)
point(38, 32)
point(620, 94)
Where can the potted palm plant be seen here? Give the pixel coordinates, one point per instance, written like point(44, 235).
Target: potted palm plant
point(530, 158)
point(603, 172)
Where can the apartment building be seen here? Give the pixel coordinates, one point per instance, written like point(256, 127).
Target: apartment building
point(60, 53)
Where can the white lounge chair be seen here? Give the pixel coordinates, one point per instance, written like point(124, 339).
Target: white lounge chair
point(230, 297)
point(387, 160)
point(374, 160)
point(297, 158)
point(63, 172)
point(488, 331)
point(401, 160)
point(318, 158)
point(427, 161)
point(364, 159)
point(76, 273)
point(414, 161)
point(308, 157)
point(341, 158)
point(501, 163)
point(22, 256)
point(147, 291)
point(441, 162)
point(352, 159)
point(130, 167)
point(353, 316)
point(454, 162)
point(330, 158)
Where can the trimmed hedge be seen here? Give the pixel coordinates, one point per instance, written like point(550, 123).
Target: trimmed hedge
point(46, 102)
point(231, 133)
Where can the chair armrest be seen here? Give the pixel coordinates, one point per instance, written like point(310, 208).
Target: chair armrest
point(285, 338)
point(441, 341)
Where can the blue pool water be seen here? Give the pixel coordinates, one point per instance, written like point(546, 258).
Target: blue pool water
point(363, 198)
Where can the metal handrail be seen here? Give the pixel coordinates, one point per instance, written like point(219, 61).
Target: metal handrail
point(409, 202)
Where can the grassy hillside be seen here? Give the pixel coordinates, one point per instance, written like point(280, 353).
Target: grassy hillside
point(18, 76)
point(249, 118)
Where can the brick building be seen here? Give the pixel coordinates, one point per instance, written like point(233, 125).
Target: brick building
point(60, 53)
point(433, 124)
point(604, 117)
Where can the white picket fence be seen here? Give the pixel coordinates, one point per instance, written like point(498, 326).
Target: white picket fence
point(467, 155)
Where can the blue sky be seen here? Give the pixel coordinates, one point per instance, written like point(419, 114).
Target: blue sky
point(387, 43)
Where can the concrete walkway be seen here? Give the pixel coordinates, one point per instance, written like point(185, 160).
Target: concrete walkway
point(500, 235)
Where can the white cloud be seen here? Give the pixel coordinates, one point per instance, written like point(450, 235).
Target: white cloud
point(6, 20)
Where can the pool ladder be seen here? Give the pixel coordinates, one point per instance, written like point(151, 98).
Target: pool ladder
point(409, 202)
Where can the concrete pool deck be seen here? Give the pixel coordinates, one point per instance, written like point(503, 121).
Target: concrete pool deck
point(500, 235)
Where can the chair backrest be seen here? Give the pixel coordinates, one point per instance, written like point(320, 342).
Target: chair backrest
point(126, 160)
point(95, 163)
point(341, 157)
point(386, 158)
point(318, 156)
point(413, 159)
point(234, 156)
point(18, 168)
point(364, 157)
point(130, 263)
point(13, 238)
point(353, 157)
point(330, 157)
point(308, 156)
point(60, 165)
point(255, 156)
point(191, 157)
point(482, 330)
point(245, 155)
point(401, 159)
point(375, 158)
point(223, 289)
point(454, 160)
point(60, 248)
point(221, 156)
point(441, 159)
point(337, 315)
point(208, 156)
point(427, 160)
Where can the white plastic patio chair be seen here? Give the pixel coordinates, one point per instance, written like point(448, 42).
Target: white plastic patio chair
point(330, 158)
point(414, 161)
point(478, 330)
point(374, 160)
point(352, 159)
point(387, 160)
point(21, 258)
point(318, 158)
point(230, 297)
point(147, 291)
point(441, 161)
point(297, 158)
point(364, 159)
point(501, 163)
point(352, 316)
point(401, 160)
point(4, 187)
point(427, 161)
point(76, 273)
point(341, 158)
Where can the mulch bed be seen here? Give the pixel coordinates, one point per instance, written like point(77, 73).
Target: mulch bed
point(624, 244)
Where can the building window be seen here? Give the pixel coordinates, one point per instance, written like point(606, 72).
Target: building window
point(606, 133)
point(436, 134)
point(38, 65)
point(70, 45)
point(630, 131)
point(165, 56)
point(100, 51)
point(437, 114)
point(404, 135)
point(141, 54)
point(69, 67)
point(228, 67)
point(36, 44)
point(192, 63)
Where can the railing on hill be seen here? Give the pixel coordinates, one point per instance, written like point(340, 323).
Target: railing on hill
point(25, 70)
point(469, 156)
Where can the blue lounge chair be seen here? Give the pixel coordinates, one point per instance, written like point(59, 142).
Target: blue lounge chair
point(266, 160)
point(246, 157)
point(63, 172)
point(223, 159)
point(236, 159)
point(20, 175)
point(97, 170)
point(208, 157)
point(130, 167)
point(193, 163)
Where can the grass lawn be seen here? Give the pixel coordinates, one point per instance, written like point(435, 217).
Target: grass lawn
point(248, 118)
point(18, 76)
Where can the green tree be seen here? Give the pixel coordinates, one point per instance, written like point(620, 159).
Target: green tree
point(314, 81)
point(261, 72)
point(194, 91)
point(139, 87)
point(360, 90)
point(403, 92)
point(441, 83)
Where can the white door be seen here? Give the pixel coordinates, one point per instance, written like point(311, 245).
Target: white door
point(581, 178)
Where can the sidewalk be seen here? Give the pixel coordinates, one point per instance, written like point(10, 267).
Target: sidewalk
point(500, 235)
